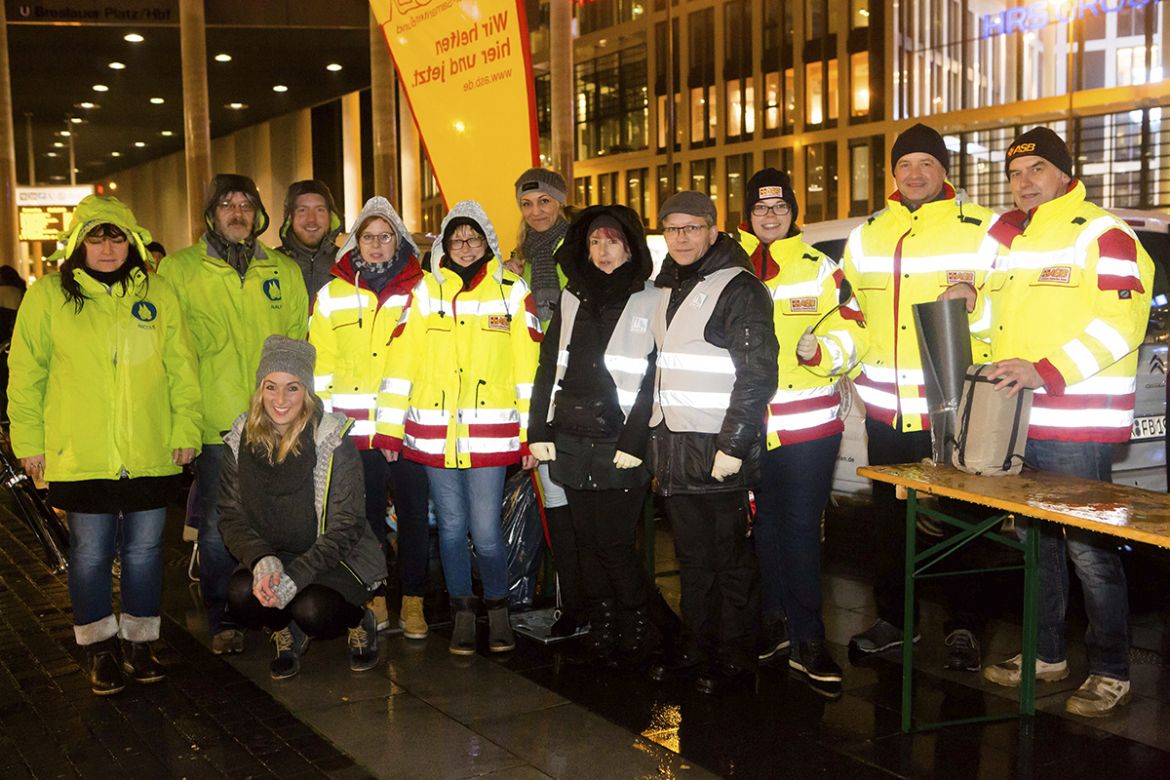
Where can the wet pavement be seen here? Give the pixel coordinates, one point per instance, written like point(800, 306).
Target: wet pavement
point(529, 714)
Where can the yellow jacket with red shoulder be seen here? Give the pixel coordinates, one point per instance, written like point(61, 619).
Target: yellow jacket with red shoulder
point(1070, 292)
point(805, 285)
point(899, 258)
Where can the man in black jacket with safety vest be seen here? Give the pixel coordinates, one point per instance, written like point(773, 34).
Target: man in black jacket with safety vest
point(716, 371)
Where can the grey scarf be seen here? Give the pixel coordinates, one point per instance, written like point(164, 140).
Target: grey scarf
point(538, 250)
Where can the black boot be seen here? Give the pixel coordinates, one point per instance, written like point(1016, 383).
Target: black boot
point(500, 636)
point(139, 662)
point(105, 673)
point(602, 640)
point(463, 626)
point(639, 637)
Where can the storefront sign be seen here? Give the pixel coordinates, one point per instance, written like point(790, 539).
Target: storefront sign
point(467, 72)
point(1034, 16)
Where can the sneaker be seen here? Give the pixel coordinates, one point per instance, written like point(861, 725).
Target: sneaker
point(812, 660)
point(882, 635)
point(1007, 673)
point(363, 644)
point(1098, 697)
point(962, 651)
point(377, 605)
point(411, 619)
point(230, 641)
point(290, 642)
point(774, 639)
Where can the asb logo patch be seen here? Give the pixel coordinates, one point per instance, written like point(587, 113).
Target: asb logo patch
point(806, 305)
point(272, 289)
point(1058, 274)
point(144, 311)
point(1020, 149)
point(498, 322)
point(961, 277)
point(771, 192)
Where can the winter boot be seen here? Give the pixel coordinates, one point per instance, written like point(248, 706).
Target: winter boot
point(500, 636)
point(602, 640)
point(139, 662)
point(639, 637)
point(463, 626)
point(105, 673)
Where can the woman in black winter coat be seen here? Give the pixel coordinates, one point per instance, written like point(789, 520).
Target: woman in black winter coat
point(589, 418)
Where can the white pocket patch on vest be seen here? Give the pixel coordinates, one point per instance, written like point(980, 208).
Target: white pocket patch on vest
point(639, 324)
point(1056, 273)
point(698, 300)
point(497, 322)
point(960, 277)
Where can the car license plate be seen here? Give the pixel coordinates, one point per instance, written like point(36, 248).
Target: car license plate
point(1153, 427)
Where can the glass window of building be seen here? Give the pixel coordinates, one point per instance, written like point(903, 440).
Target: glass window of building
point(703, 177)
point(607, 189)
point(638, 192)
point(612, 109)
point(739, 170)
point(661, 55)
point(665, 190)
point(701, 76)
point(859, 13)
point(737, 69)
point(599, 14)
point(776, 63)
point(820, 171)
point(780, 159)
point(583, 190)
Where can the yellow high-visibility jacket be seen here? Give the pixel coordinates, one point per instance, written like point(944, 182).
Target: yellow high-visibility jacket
point(1070, 292)
point(805, 285)
point(459, 374)
point(894, 260)
point(351, 328)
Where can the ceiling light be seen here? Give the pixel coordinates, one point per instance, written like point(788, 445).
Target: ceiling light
point(57, 177)
point(113, 185)
point(236, 106)
point(117, 66)
point(115, 154)
point(133, 38)
point(223, 57)
point(157, 101)
point(58, 145)
point(76, 120)
point(64, 133)
point(333, 66)
point(50, 154)
point(279, 88)
point(100, 88)
point(86, 104)
point(140, 144)
point(167, 133)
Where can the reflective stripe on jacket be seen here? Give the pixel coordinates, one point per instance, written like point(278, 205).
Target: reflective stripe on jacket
point(352, 328)
point(805, 285)
point(695, 377)
point(899, 258)
point(1070, 292)
point(229, 319)
point(107, 391)
point(459, 375)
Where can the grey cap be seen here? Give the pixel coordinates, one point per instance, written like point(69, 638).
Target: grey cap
point(688, 202)
point(550, 183)
point(289, 356)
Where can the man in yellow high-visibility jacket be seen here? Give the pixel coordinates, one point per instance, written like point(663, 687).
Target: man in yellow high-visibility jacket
point(1065, 309)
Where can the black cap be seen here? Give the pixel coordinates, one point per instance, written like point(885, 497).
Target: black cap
point(920, 138)
point(771, 183)
point(1041, 142)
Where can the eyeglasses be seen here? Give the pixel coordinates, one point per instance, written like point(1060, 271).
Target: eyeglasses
point(376, 238)
point(96, 240)
point(470, 243)
point(683, 230)
point(781, 209)
point(244, 207)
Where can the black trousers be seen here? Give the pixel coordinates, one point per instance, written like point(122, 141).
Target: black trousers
point(719, 575)
point(605, 523)
point(409, 486)
point(888, 446)
point(321, 612)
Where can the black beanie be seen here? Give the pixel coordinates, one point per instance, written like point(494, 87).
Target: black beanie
point(920, 138)
point(1041, 142)
point(770, 183)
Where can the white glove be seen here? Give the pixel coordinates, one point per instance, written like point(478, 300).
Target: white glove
point(543, 450)
point(284, 591)
point(624, 460)
point(807, 346)
point(725, 466)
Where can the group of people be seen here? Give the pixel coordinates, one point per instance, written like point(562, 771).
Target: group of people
point(716, 382)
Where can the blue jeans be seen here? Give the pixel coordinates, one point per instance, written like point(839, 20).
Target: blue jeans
point(93, 542)
point(216, 564)
point(794, 489)
point(470, 500)
point(1096, 561)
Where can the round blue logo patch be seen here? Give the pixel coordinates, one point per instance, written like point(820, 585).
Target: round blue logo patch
point(272, 289)
point(144, 311)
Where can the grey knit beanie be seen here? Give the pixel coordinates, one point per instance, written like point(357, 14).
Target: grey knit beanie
point(289, 356)
point(550, 183)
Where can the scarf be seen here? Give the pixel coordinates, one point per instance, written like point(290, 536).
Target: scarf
point(538, 250)
point(604, 288)
point(466, 273)
point(236, 254)
point(378, 275)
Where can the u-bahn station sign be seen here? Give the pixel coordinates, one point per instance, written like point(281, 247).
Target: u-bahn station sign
point(1035, 16)
point(45, 211)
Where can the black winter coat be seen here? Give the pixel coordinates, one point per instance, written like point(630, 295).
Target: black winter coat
point(742, 324)
point(589, 425)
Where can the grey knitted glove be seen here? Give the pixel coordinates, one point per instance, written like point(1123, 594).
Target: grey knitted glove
point(285, 590)
point(267, 565)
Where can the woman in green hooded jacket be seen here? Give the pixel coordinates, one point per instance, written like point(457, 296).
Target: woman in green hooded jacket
point(105, 405)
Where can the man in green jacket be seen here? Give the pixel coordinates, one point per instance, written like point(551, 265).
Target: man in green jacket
point(235, 292)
